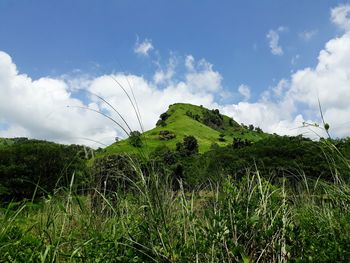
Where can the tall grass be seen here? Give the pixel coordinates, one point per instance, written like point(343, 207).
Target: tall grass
point(250, 220)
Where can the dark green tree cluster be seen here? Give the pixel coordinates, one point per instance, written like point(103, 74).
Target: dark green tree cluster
point(175, 163)
point(277, 156)
point(188, 147)
point(162, 118)
point(230, 122)
point(135, 139)
point(40, 167)
point(213, 119)
point(193, 116)
point(240, 143)
point(222, 137)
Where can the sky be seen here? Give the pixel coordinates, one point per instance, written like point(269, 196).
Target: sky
point(265, 63)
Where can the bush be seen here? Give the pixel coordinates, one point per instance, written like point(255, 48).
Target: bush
point(189, 146)
point(162, 118)
point(135, 139)
point(222, 137)
point(213, 119)
point(166, 135)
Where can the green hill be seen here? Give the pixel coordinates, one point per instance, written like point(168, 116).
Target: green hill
point(180, 120)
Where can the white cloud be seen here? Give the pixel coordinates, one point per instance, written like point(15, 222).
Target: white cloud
point(165, 76)
point(340, 16)
point(144, 47)
point(273, 38)
point(271, 117)
point(329, 81)
point(286, 106)
point(280, 89)
point(244, 90)
point(189, 62)
point(202, 78)
point(38, 108)
point(308, 35)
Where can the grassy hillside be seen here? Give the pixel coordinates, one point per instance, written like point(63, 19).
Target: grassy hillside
point(186, 119)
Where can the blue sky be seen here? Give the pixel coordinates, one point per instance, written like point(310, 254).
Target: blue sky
point(74, 40)
point(58, 37)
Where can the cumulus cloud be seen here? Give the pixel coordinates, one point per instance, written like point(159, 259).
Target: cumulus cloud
point(329, 81)
point(165, 75)
point(284, 107)
point(340, 16)
point(144, 47)
point(273, 38)
point(244, 90)
point(38, 108)
point(201, 76)
point(272, 117)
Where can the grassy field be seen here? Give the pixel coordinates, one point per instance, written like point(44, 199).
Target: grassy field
point(247, 221)
point(182, 125)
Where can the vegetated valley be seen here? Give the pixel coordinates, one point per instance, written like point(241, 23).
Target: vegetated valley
point(199, 187)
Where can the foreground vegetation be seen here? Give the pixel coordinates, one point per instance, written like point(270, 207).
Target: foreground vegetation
point(147, 215)
point(250, 220)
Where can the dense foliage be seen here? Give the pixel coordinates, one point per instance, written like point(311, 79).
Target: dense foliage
point(135, 139)
point(29, 167)
point(246, 220)
point(277, 156)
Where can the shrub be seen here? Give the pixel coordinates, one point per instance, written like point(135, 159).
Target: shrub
point(162, 118)
point(193, 116)
point(166, 135)
point(190, 145)
point(221, 137)
point(135, 139)
point(213, 119)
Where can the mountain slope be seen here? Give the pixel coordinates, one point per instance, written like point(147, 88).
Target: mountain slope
point(185, 119)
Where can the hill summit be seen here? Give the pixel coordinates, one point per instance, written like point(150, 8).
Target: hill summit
point(207, 126)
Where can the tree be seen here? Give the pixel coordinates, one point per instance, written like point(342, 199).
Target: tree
point(164, 116)
point(213, 119)
point(190, 144)
point(188, 147)
point(230, 122)
point(258, 129)
point(221, 137)
point(162, 119)
point(135, 139)
point(29, 167)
